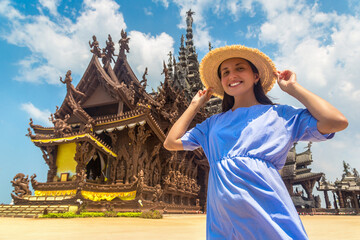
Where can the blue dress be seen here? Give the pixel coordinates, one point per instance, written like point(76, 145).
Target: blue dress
point(246, 197)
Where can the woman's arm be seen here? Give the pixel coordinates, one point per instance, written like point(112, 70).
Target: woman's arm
point(329, 118)
point(173, 139)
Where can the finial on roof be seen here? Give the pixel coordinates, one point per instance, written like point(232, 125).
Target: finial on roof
point(144, 80)
point(356, 173)
point(346, 168)
point(108, 51)
point(124, 43)
point(309, 145)
point(165, 70)
point(95, 47)
point(170, 56)
point(210, 47)
point(189, 19)
point(71, 90)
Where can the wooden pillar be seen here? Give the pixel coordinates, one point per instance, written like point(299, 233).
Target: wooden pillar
point(289, 187)
point(120, 107)
point(335, 204)
point(356, 201)
point(341, 200)
point(327, 202)
point(308, 186)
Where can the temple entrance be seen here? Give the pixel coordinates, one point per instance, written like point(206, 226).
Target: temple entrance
point(94, 168)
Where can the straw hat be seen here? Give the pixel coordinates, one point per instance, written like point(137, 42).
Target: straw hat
point(211, 62)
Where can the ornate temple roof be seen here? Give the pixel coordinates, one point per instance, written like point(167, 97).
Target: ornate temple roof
point(295, 168)
point(93, 139)
point(350, 181)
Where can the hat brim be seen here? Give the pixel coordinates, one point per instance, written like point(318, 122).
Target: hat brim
point(212, 60)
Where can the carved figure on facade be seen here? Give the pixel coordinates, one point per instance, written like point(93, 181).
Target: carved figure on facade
point(21, 185)
point(88, 128)
point(29, 134)
point(158, 194)
point(140, 185)
point(137, 143)
point(131, 92)
point(84, 152)
point(120, 167)
point(80, 179)
point(48, 155)
point(154, 166)
point(34, 183)
point(60, 126)
point(71, 90)
point(174, 114)
point(144, 79)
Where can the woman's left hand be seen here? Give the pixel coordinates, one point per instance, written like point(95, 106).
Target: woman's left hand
point(286, 80)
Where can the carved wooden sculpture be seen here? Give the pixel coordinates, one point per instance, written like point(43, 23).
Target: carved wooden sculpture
point(21, 185)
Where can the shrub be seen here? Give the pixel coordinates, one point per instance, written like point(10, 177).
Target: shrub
point(59, 215)
point(129, 214)
point(151, 214)
point(110, 214)
point(91, 214)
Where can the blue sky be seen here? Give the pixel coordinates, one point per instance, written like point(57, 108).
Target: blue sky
point(41, 40)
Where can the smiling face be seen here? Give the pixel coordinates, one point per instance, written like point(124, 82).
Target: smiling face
point(237, 77)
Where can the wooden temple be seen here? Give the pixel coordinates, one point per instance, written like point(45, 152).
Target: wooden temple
point(296, 173)
point(105, 148)
point(105, 151)
point(346, 192)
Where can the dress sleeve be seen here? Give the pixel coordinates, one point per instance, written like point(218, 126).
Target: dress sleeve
point(303, 126)
point(195, 137)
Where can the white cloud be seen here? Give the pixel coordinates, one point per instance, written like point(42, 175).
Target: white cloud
point(148, 11)
point(37, 114)
point(8, 11)
point(51, 5)
point(165, 3)
point(59, 45)
point(32, 70)
point(321, 47)
point(149, 51)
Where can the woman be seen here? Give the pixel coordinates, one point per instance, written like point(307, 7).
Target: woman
point(248, 143)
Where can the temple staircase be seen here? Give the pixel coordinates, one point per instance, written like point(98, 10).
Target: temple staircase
point(31, 211)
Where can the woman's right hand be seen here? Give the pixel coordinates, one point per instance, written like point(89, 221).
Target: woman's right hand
point(201, 97)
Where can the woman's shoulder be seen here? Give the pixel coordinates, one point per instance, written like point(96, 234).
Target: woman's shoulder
point(284, 107)
point(288, 111)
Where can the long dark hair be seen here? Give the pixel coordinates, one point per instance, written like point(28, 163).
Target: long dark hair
point(228, 101)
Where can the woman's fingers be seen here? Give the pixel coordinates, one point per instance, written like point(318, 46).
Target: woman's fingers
point(284, 75)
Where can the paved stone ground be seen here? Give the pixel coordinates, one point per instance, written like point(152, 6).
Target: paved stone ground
point(172, 227)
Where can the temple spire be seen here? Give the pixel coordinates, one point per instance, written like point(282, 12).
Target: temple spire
point(192, 64)
point(170, 66)
point(189, 32)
